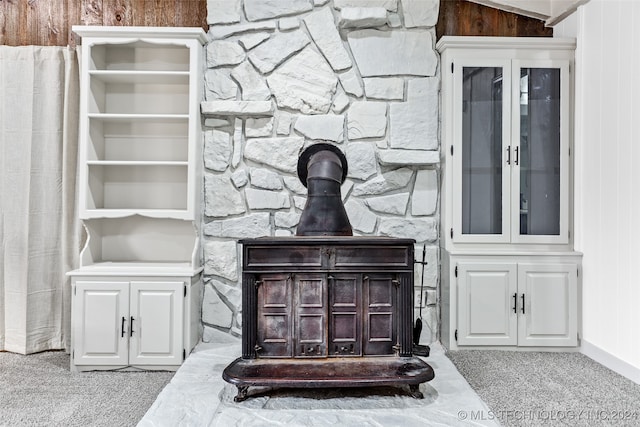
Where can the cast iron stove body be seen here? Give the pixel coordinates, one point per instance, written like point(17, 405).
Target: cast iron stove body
point(327, 309)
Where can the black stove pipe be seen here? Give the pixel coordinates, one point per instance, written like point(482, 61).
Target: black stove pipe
point(322, 168)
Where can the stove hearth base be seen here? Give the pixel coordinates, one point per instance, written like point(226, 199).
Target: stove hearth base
point(333, 372)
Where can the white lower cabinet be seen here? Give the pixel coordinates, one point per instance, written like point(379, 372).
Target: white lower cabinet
point(132, 323)
point(517, 304)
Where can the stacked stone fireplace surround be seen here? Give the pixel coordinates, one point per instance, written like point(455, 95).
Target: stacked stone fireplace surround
point(284, 74)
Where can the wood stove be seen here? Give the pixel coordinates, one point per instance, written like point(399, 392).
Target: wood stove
point(324, 308)
point(327, 312)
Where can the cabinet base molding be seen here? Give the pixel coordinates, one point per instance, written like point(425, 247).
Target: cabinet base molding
point(516, 349)
point(88, 368)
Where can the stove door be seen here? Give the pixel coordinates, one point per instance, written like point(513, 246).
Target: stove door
point(310, 296)
point(380, 306)
point(274, 315)
point(345, 323)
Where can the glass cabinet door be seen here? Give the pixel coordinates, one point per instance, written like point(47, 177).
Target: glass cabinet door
point(511, 121)
point(482, 187)
point(540, 135)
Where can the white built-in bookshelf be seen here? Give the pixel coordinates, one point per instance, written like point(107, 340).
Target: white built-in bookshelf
point(139, 196)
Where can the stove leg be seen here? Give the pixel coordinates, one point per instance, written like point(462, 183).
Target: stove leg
point(242, 393)
point(414, 390)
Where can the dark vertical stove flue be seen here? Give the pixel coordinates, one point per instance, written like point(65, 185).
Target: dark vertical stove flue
point(322, 168)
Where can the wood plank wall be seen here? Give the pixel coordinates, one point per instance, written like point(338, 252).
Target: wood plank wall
point(607, 180)
point(463, 18)
point(48, 22)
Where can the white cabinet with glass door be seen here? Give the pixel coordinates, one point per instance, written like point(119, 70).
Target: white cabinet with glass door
point(511, 148)
point(506, 145)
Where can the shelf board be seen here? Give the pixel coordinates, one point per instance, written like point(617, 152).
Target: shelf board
point(137, 163)
point(137, 269)
point(139, 32)
point(113, 117)
point(141, 77)
point(97, 213)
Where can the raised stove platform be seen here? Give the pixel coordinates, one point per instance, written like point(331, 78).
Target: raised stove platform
point(337, 372)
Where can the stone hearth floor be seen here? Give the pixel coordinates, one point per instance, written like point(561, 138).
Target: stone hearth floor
point(198, 396)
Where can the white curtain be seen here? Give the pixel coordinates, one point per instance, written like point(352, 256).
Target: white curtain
point(39, 97)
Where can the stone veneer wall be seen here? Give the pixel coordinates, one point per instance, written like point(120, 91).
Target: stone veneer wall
point(284, 74)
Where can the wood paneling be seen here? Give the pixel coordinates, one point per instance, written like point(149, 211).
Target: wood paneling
point(48, 22)
point(608, 178)
point(463, 18)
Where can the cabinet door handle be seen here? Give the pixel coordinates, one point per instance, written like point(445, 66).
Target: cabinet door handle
point(517, 156)
point(509, 155)
point(522, 296)
point(131, 328)
point(515, 303)
point(122, 331)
